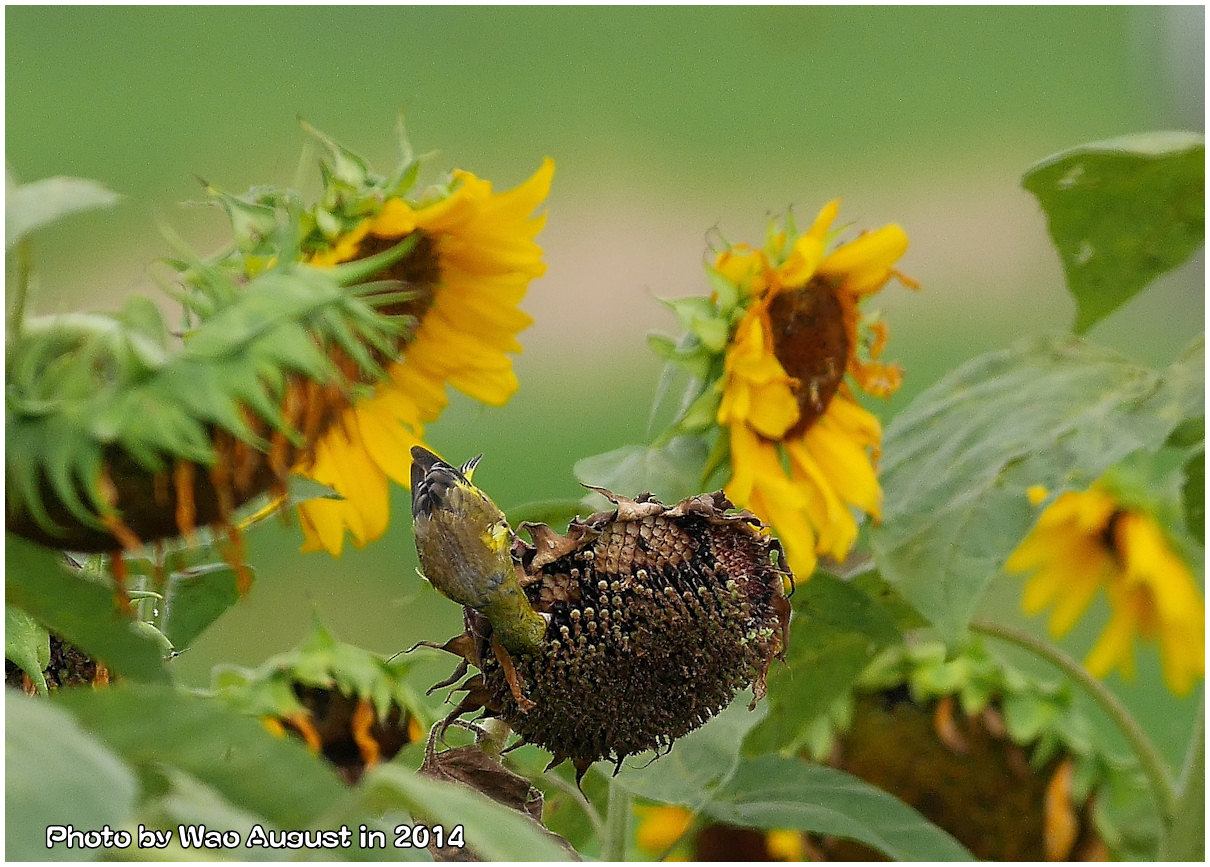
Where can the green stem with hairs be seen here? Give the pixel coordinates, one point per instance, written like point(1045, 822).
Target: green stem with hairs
point(617, 822)
point(19, 293)
point(1150, 760)
point(1186, 839)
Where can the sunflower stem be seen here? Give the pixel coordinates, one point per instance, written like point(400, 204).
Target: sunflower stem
point(617, 822)
point(20, 292)
point(1150, 760)
point(1186, 839)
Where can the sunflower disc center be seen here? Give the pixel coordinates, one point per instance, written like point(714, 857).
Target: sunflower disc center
point(812, 344)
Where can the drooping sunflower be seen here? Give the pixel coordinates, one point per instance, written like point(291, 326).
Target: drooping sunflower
point(346, 704)
point(1005, 762)
point(1088, 541)
point(471, 267)
point(780, 347)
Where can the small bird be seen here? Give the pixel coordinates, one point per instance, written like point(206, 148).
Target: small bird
point(464, 543)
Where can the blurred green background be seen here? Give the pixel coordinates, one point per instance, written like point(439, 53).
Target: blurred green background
point(667, 125)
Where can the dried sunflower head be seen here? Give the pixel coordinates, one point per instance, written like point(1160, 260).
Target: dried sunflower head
point(657, 616)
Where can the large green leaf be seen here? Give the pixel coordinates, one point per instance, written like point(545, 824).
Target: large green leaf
point(777, 792)
point(154, 727)
point(57, 774)
point(1121, 213)
point(194, 598)
point(81, 611)
point(699, 763)
point(959, 459)
point(671, 471)
point(837, 629)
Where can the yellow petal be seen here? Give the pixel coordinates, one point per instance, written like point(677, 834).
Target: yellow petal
point(1115, 647)
point(807, 253)
point(845, 462)
point(387, 441)
point(396, 219)
point(865, 263)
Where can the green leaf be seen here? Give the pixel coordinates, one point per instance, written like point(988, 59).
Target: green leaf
point(26, 645)
point(493, 831)
point(194, 599)
point(80, 611)
point(671, 471)
point(958, 461)
point(1121, 213)
point(57, 774)
point(687, 353)
point(701, 415)
point(699, 763)
point(254, 771)
point(775, 792)
point(31, 206)
point(837, 629)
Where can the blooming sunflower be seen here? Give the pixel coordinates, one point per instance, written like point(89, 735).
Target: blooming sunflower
point(474, 258)
point(794, 344)
point(1091, 540)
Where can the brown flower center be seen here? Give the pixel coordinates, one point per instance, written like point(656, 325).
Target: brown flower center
point(812, 344)
point(1111, 538)
point(419, 272)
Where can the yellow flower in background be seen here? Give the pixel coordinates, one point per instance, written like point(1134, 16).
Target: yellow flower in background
point(474, 261)
point(659, 827)
point(1089, 541)
point(802, 448)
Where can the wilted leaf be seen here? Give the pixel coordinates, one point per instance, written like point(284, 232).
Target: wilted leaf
point(493, 831)
point(958, 461)
point(1121, 213)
